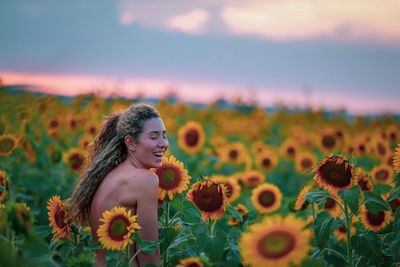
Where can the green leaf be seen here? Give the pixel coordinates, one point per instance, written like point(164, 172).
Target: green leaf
point(374, 202)
point(147, 246)
point(394, 194)
point(368, 245)
point(324, 225)
point(232, 211)
point(216, 245)
point(318, 196)
point(177, 202)
point(352, 198)
point(190, 213)
point(167, 235)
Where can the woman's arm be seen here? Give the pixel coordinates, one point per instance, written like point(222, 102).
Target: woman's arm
point(146, 209)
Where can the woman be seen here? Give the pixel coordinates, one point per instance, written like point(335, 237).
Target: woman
point(118, 174)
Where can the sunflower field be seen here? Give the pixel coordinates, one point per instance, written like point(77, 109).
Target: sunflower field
point(239, 185)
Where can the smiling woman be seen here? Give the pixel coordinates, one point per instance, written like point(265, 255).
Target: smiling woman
point(118, 174)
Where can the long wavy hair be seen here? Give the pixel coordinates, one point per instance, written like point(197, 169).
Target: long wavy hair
point(109, 150)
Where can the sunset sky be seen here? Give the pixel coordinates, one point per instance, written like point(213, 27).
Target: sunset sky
point(331, 54)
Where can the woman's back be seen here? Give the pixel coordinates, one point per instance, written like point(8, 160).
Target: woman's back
point(121, 187)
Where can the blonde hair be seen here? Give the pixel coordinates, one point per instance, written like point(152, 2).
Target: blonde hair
point(108, 152)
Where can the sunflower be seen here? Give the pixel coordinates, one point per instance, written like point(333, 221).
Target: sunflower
point(257, 147)
point(191, 262)
point(3, 185)
point(266, 198)
point(380, 148)
point(243, 212)
point(53, 126)
point(209, 197)
point(328, 140)
point(29, 152)
point(75, 158)
point(21, 217)
point(232, 187)
point(363, 180)
point(235, 153)
point(332, 207)
point(382, 174)
point(334, 173)
point(360, 146)
point(396, 159)
point(252, 178)
point(374, 221)
point(191, 137)
point(275, 241)
point(341, 232)
point(304, 161)
point(267, 160)
point(92, 128)
point(301, 202)
point(59, 218)
point(117, 227)
point(172, 176)
point(8, 143)
point(289, 149)
point(86, 142)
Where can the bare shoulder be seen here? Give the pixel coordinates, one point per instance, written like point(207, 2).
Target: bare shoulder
point(142, 179)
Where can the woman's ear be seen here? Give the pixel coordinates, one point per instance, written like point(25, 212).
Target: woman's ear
point(130, 143)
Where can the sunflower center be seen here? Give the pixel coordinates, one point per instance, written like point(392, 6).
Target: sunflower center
point(361, 147)
point(253, 180)
point(266, 162)
point(233, 154)
point(53, 124)
point(169, 179)
point(306, 163)
point(394, 204)
point(92, 130)
point(6, 145)
point(266, 198)
point(291, 151)
point(382, 175)
point(381, 149)
point(329, 203)
point(208, 199)
point(118, 228)
point(342, 229)
point(328, 141)
point(76, 161)
point(363, 184)
point(192, 137)
point(59, 217)
point(193, 264)
point(376, 218)
point(276, 244)
point(335, 174)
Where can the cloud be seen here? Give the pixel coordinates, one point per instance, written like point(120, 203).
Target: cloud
point(288, 20)
point(127, 17)
point(192, 22)
point(280, 20)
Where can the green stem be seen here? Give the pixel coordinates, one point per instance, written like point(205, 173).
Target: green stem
point(359, 260)
point(134, 256)
point(167, 214)
point(348, 230)
point(313, 211)
point(336, 253)
point(211, 224)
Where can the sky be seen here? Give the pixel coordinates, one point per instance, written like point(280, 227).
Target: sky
point(330, 54)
